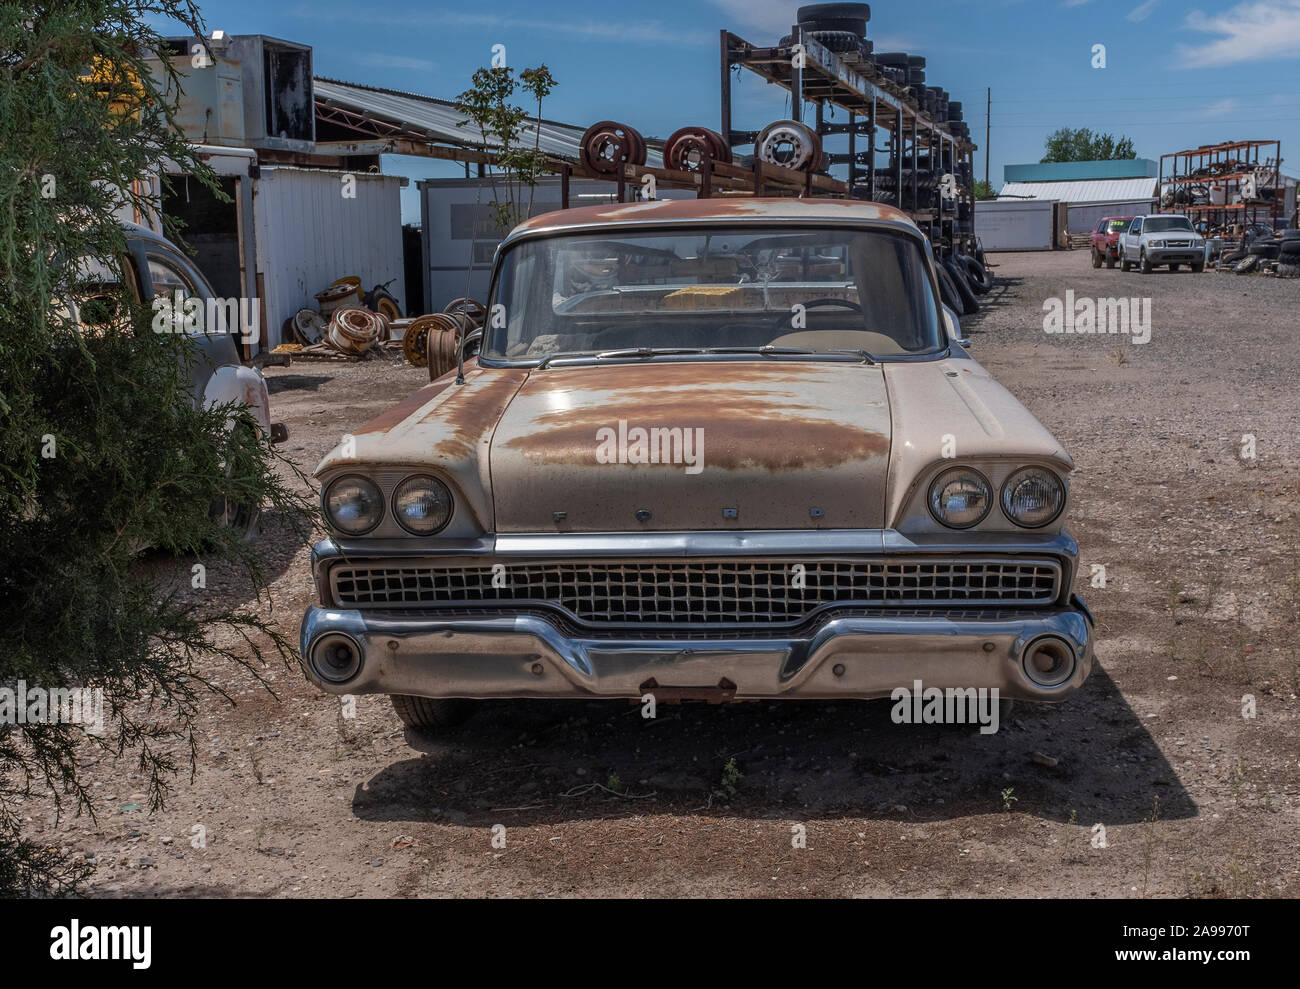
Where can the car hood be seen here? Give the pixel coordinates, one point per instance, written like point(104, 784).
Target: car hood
point(693, 445)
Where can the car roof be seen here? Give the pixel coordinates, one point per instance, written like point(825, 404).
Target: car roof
point(135, 231)
point(747, 209)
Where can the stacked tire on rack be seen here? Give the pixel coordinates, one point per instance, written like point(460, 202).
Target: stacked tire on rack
point(839, 27)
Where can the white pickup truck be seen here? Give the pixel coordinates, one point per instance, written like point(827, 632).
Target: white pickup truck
point(1154, 241)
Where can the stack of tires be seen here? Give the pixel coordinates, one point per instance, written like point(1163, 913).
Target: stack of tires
point(962, 280)
point(1288, 255)
point(839, 27)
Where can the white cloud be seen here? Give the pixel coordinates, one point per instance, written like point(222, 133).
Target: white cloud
point(383, 60)
point(1142, 11)
point(774, 17)
point(1075, 3)
point(1220, 108)
point(1249, 32)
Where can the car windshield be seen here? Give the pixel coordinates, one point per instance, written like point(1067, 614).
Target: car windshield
point(791, 289)
point(1167, 224)
point(1118, 225)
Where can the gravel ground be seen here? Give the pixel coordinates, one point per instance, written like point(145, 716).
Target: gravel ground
point(1200, 551)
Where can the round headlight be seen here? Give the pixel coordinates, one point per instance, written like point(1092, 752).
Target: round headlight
point(354, 504)
point(1033, 497)
point(422, 505)
point(960, 498)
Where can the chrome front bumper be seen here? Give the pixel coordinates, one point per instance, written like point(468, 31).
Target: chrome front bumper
point(862, 655)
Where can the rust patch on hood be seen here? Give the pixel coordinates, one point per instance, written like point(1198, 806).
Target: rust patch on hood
point(766, 416)
point(409, 406)
point(470, 412)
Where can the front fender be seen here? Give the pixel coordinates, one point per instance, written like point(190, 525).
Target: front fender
point(244, 385)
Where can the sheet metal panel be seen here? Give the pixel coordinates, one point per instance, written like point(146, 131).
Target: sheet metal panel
point(308, 235)
point(1005, 225)
point(440, 120)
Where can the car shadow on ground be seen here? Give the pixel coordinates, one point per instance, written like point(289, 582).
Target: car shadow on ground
point(276, 383)
point(528, 763)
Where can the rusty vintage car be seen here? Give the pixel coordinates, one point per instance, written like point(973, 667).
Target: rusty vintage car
point(716, 449)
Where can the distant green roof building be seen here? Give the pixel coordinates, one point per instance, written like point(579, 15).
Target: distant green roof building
point(1082, 171)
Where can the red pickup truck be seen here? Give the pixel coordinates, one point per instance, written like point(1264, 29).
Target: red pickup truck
point(1105, 240)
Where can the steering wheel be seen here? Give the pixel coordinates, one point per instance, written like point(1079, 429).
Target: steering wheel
point(813, 303)
point(816, 303)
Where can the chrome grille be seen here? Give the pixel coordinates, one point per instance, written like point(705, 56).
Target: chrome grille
point(697, 592)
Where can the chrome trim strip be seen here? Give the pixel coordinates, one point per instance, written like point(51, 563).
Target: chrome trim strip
point(726, 219)
point(765, 542)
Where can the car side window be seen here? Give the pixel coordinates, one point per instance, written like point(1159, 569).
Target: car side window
point(173, 285)
point(1101, 227)
point(1136, 228)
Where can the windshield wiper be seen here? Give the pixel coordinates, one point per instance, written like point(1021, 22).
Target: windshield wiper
point(867, 358)
point(558, 355)
point(766, 351)
point(650, 351)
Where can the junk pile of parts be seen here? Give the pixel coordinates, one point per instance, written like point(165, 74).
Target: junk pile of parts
point(349, 324)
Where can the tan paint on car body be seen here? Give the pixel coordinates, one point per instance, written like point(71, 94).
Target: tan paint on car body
point(779, 439)
point(782, 437)
point(933, 402)
point(447, 427)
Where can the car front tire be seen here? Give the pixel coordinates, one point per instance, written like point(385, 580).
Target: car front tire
point(1144, 263)
point(430, 715)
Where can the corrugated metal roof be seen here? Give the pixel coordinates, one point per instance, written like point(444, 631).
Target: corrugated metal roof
point(1096, 191)
point(440, 120)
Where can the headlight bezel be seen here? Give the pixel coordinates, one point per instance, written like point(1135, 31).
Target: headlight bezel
point(434, 480)
point(942, 479)
point(333, 520)
point(1012, 478)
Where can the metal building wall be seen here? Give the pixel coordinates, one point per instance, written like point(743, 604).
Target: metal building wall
point(447, 207)
point(1084, 217)
point(1004, 225)
point(308, 235)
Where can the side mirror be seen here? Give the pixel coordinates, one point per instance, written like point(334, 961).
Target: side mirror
point(953, 326)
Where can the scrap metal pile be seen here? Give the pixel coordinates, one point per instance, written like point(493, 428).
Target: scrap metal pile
point(432, 340)
point(347, 323)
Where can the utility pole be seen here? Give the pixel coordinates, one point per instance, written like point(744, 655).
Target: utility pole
point(988, 130)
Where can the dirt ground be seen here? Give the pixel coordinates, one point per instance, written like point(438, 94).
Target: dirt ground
point(1200, 549)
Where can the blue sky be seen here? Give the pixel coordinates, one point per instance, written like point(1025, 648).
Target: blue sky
point(1177, 74)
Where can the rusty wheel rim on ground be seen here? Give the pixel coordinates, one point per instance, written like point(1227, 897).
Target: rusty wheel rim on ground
point(352, 280)
point(354, 331)
point(475, 310)
point(310, 325)
point(415, 341)
point(442, 335)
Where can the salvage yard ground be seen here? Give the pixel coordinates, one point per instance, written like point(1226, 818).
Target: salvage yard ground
point(1148, 783)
